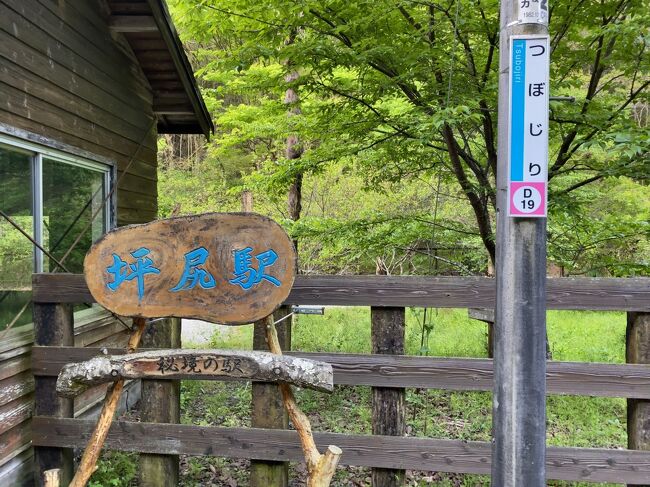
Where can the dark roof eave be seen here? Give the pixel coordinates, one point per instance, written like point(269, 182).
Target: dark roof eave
point(170, 36)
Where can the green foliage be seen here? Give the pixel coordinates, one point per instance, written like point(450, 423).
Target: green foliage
point(16, 255)
point(390, 93)
point(193, 192)
point(115, 469)
point(605, 229)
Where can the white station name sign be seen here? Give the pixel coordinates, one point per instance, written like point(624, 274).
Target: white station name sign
point(528, 128)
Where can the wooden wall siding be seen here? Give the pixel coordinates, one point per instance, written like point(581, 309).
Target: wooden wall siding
point(17, 388)
point(17, 471)
point(64, 76)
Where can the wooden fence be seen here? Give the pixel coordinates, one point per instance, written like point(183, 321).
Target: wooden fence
point(94, 328)
point(390, 372)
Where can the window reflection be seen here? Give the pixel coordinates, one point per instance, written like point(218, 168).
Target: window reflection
point(71, 196)
point(73, 218)
point(16, 254)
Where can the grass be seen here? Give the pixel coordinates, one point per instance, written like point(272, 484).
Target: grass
point(571, 420)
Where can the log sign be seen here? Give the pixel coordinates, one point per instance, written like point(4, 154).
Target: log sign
point(75, 378)
point(228, 268)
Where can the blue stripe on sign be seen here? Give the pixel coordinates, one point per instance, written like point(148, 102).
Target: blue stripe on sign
point(518, 73)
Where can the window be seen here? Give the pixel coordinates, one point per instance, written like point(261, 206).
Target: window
point(58, 199)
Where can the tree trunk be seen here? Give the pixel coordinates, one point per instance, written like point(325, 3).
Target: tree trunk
point(294, 151)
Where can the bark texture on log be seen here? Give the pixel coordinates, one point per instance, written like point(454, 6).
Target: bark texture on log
point(320, 468)
point(203, 364)
point(388, 408)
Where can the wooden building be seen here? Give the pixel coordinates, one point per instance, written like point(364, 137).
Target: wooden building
point(85, 88)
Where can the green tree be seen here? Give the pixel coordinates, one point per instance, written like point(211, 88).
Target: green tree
point(403, 88)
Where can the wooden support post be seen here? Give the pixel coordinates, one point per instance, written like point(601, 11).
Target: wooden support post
point(52, 478)
point(637, 351)
point(53, 326)
point(487, 316)
point(160, 403)
point(388, 410)
point(88, 462)
point(268, 409)
point(320, 468)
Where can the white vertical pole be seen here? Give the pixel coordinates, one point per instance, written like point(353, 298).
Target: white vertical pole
point(519, 400)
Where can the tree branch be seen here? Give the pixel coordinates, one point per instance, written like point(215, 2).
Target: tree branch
point(480, 209)
point(580, 184)
point(320, 467)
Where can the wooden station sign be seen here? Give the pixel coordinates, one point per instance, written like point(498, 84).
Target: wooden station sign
point(227, 268)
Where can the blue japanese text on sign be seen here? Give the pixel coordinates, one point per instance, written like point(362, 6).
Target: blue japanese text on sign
point(229, 268)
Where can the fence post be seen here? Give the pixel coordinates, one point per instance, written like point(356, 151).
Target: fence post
point(53, 326)
point(388, 409)
point(267, 406)
point(637, 351)
point(486, 316)
point(160, 403)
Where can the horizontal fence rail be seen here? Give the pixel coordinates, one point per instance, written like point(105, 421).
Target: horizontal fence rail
point(388, 453)
point(624, 294)
point(467, 374)
point(572, 464)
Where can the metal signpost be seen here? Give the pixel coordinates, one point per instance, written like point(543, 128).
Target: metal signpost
point(519, 401)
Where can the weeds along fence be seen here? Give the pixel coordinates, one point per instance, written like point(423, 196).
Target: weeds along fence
point(387, 451)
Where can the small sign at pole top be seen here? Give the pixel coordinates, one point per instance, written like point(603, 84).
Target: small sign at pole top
point(533, 12)
point(228, 268)
point(528, 127)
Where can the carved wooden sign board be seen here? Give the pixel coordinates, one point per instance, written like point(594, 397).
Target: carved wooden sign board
point(227, 268)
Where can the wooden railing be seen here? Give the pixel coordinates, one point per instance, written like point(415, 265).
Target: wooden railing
point(623, 294)
point(394, 371)
point(17, 389)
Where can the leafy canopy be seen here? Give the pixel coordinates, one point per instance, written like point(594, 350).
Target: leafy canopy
point(402, 90)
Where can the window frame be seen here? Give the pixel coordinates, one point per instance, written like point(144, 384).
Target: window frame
point(39, 148)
